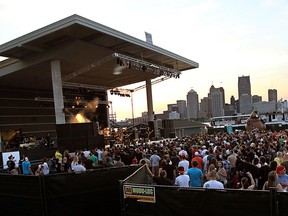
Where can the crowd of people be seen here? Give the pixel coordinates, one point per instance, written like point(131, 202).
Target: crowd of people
point(242, 160)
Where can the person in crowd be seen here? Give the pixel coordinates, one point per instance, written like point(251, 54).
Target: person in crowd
point(232, 158)
point(107, 162)
point(43, 168)
point(279, 158)
point(68, 156)
point(195, 175)
point(245, 185)
point(52, 164)
point(162, 179)
point(66, 166)
point(213, 183)
point(26, 166)
point(272, 182)
point(285, 162)
point(20, 164)
point(184, 162)
point(273, 165)
point(182, 180)
point(263, 172)
point(58, 156)
point(74, 162)
point(99, 154)
point(205, 161)
point(199, 159)
point(88, 163)
point(155, 162)
point(221, 173)
point(11, 165)
point(282, 177)
point(183, 152)
point(78, 168)
point(134, 160)
point(118, 162)
point(94, 158)
point(145, 159)
point(170, 170)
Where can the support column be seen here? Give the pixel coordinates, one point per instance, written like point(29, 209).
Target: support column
point(107, 110)
point(151, 123)
point(149, 100)
point(57, 91)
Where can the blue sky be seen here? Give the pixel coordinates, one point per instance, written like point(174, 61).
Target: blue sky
point(228, 38)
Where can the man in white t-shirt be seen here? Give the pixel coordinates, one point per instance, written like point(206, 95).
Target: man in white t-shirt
point(184, 163)
point(79, 168)
point(182, 180)
point(213, 183)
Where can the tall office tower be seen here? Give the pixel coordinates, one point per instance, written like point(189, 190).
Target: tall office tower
point(204, 106)
point(233, 101)
point(272, 95)
point(217, 101)
point(223, 94)
point(244, 94)
point(182, 108)
point(192, 104)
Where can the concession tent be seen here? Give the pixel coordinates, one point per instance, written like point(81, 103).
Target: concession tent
point(141, 196)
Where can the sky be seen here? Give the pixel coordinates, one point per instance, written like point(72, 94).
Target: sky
point(228, 38)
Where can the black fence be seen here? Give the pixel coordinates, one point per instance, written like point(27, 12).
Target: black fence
point(142, 197)
point(89, 192)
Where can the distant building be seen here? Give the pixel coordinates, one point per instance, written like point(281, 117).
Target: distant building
point(174, 115)
point(182, 108)
point(204, 107)
point(172, 107)
point(192, 104)
point(272, 95)
point(244, 95)
point(265, 107)
point(256, 99)
point(217, 99)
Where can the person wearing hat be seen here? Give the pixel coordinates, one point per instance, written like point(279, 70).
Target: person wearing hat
point(199, 159)
point(282, 176)
point(182, 180)
point(11, 165)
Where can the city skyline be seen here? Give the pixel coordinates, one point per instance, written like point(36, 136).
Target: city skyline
point(219, 90)
point(227, 38)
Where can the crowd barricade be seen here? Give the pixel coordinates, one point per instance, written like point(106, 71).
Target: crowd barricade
point(140, 195)
point(88, 192)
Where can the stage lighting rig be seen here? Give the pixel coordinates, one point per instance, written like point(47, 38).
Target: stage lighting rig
point(141, 65)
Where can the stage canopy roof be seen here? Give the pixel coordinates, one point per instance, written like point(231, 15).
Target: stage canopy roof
point(87, 52)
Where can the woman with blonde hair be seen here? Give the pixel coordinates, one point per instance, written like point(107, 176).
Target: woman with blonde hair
point(272, 182)
point(74, 162)
point(279, 158)
point(210, 168)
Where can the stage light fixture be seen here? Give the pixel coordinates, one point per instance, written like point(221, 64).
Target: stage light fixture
point(138, 64)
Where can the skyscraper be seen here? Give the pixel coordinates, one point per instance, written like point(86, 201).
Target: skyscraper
point(192, 104)
point(244, 94)
point(182, 108)
point(217, 97)
point(272, 95)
